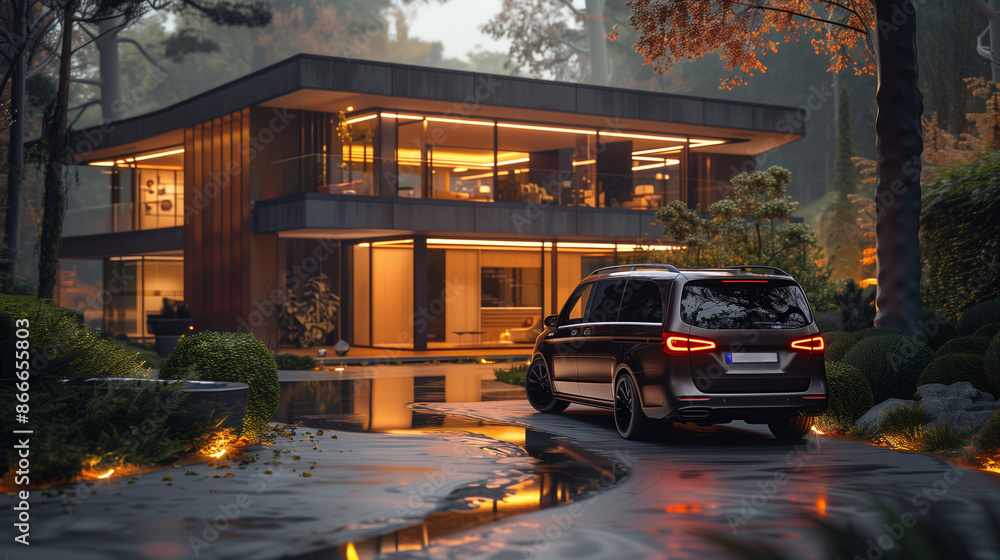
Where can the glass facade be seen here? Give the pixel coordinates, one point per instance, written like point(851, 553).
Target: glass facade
point(116, 294)
point(478, 292)
point(140, 192)
point(412, 155)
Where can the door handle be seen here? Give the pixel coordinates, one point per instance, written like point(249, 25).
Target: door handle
point(586, 331)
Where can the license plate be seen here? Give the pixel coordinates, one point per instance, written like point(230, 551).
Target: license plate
point(751, 357)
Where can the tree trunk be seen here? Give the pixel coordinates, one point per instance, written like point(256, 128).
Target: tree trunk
point(597, 42)
point(15, 155)
point(898, 147)
point(107, 48)
point(55, 198)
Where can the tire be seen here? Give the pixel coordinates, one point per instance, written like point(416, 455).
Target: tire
point(791, 428)
point(538, 389)
point(629, 419)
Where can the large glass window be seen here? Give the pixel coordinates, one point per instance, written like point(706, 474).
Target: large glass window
point(757, 304)
point(511, 287)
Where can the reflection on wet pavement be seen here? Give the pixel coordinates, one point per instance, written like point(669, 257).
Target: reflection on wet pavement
point(559, 473)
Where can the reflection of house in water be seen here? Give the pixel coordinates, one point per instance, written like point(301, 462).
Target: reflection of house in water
point(566, 473)
point(380, 403)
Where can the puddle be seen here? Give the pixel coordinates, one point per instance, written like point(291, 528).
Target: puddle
point(560, 473)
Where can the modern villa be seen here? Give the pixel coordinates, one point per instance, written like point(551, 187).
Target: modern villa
point(442, 208)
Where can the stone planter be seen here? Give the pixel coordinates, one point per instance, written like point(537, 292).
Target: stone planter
point(204, 399)
point(168, 332)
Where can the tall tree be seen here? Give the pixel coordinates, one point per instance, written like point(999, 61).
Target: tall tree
point(840, 220)
point(547, 38)
point(868, 35)
point(121, 12)
point(28, 22)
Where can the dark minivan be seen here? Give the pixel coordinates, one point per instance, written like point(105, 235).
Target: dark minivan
point(654, 343)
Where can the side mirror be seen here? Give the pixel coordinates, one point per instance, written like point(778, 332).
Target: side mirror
point(551, 320)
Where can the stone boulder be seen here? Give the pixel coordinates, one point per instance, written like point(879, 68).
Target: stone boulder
point(961, 405)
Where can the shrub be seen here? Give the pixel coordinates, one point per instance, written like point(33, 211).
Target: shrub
point(62, 346)
point(828, 321)
point(988, 331)
point(850, 397)
point(513, 375)
point(293, 361)
point(225, 356)
point(979, 315)
point(952, 368)
point(148, 358)
point(892, 363)
point(942, 438)
point(856, 305)
point(964, 345)
point(989, 440)
point(837, 342)
point(991, 365)
point(872, 331)
point(903, 426)
point(938, 328)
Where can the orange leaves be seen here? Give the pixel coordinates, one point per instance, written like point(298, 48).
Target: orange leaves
point(743, 32)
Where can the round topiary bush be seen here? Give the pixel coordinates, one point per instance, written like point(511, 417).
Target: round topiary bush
point(952, 368)
point(858, 336)
point(892, 363)
point(850, 396)
point(988, 331)
point(989, 440)
point(225, 356)
point(837, 342)
point(991, 365)
point(937, 327)
point(964, 345)
point(979, 315)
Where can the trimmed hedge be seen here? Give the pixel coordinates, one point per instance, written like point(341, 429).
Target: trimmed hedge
point(989, 331)
point(952, 368)
point(850, 396)
point(290, 361)
point(938, 328)
point(226, 356)
point(870, 332)
point(979, 315)
point(63, 346)
point(989, 440)
point(892, 363)
point(837, 342)
point(964, 345)
point(991, 365)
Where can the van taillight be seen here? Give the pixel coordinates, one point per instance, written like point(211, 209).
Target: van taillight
point(679, 344)
point(811, 344)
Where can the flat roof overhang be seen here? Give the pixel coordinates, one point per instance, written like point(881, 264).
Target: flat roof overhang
point(319, 83)
point(366, 217)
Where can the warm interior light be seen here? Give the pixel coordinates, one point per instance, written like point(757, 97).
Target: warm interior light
point(584, 162)
point(350, 108)
point(642, 136)
point(159, 154)
point(700, 142)
point(460, 169)
point(663, 163)
point(681, 345)
point(666, 150)
point(547, 128)
point(811, 344)
point(107, 474)
point(484, 243)
point(102, 163)
point(361, 119)
point(460, 121)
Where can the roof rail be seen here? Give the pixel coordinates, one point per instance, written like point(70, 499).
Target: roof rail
point(751, 267)
point(631, 267)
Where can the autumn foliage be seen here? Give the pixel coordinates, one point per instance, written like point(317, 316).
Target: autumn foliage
point(743, 33)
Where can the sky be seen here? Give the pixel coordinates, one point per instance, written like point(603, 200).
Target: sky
point(455, 24)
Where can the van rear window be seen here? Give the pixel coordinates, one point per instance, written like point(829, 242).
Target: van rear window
point(773, 304)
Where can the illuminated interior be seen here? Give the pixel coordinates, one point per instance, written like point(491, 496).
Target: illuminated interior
point(497, 161)
point(479, 292)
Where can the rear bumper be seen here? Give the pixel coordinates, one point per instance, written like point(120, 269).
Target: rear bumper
point(753, 408)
